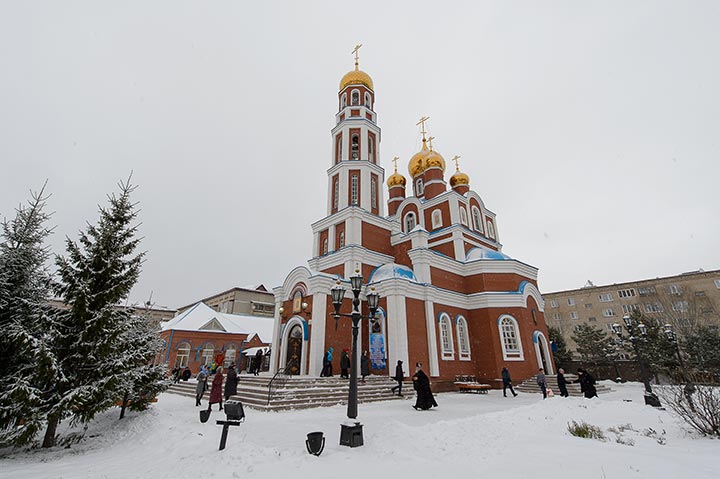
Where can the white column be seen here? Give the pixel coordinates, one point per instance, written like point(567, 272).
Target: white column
point(431, 338)
point(276, 347)
point(317, 333)
point(459, 246)
point(397, 337)
point(331, 238)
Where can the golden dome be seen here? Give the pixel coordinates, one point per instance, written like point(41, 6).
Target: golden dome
point(434, 159)
point(417, 162)
point(459, 178)
point(356, 77)
point(396, 179)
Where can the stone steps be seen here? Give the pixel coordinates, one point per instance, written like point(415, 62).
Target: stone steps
point(298, 392)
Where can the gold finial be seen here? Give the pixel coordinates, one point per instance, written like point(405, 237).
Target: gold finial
point(395, 160)
point(457, 163)
point(422, 122)
point(355, 51)
point(430, 139)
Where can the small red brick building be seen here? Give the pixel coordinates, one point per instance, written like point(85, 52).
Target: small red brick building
point(449, 297)
point(202, 335)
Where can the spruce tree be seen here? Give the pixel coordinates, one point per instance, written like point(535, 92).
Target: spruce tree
point(593, 345)
point(92, 341)
point(27, 361)
point(560, 353)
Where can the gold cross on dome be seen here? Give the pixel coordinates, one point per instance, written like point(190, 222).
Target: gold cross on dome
point(395, 160)
point(457, 163)
point(422, 122)
point(430, 139)
point(355, 51)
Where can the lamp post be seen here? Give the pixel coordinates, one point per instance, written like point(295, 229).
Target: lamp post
point(352, 435)
point(634, 327)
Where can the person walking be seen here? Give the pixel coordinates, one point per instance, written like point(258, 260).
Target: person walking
point(216, 389)
point(344, 364)
point(587, 383)
point(327, 363)
point(231, 382)
point(365, 365)
point(541, 382)
point(421, 384)
point(258, 361)
point(562, 383)
point(507, 382)
point(202, 378)
point(399, 377)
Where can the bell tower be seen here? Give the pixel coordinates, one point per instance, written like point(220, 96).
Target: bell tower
point(354, 178)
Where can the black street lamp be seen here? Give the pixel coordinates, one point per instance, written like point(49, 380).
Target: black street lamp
point(651, 398)
point(351, 435)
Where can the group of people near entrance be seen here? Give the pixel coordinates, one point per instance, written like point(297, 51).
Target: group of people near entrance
point(345, 365)
point(587, 383)
point(216, 388)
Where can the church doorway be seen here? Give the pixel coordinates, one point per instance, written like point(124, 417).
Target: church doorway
point(542, 352)
point(294, 350)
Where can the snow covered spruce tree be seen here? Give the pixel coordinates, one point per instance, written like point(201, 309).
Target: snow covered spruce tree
point(593, 345)
point(27, 364)
point(103, 351)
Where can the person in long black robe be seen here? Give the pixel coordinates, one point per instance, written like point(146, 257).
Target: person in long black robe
point(587, 384)
point(421, 384)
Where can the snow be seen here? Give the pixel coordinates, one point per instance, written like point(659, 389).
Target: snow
point(201, 314)
point(468, 434)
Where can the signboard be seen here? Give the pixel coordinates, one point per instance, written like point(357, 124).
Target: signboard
point(377, 351)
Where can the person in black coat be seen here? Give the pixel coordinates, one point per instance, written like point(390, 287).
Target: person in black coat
point(507, 382)
point(231, 382)
point(365, 365)
point(344, 364)
point(258, 361)
point(562, 383)
point(587, 383)
point(399, 377)
point(421, 384)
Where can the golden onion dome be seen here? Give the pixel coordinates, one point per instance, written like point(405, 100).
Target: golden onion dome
point(396, 179)
point(434, 159)
point(459, 178)
point(356, 77)
point(417, 162)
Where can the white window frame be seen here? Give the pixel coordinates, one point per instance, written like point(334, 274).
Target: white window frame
point(508, 324)
point(325, 246)
point(571, 301)
point(182, 357)
point(626, 293)
point(477, 221)
point(573, 315)
point(681, 306)
point(463, 338)
point(409, 215)
point(373, 193)
point(553, 303)
point(446, 337)
point(419, 187)
point(343, 100)
point(463, 216)
point(336, 188)
point(605, 297)
point(609, 313)
point(557, 316)
point(354, 190)
point(629, 308)
point(341, 240)
point(207, 347)
point(717, 283)
point(368, 100)
point(352, 94)
point(436, 218)
point(229, 358)
point(675, 289)
point(490, 230)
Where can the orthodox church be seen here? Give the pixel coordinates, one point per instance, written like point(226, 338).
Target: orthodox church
point(449, 297)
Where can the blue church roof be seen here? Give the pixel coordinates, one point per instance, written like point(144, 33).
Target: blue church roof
point(484, 253)
point(392, 270)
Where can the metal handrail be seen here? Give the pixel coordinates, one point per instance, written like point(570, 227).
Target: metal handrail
point(277, 381)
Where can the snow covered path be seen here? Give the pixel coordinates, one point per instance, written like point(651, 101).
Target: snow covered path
point(478, 434)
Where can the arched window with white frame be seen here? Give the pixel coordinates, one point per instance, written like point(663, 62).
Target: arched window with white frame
point(343, 102)
point(463, 216)
point(446, 337)
point(341, 241)
point(208, 355)
point(463, 338)
point(183, 355)
point(437, 218)
point(510, 338)
point(355, 97)
point(410, 222)
point(490, 230)
point(230, 355)
point(325, 246)
point(477, 222)
point(367, 100)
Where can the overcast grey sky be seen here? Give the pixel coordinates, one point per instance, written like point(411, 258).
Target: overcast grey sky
point(592, 129)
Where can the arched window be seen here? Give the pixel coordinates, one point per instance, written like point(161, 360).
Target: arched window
point(477, 223)
point(338, 142)
point(419, 187)
point(373, 192)
point(341, 241)
point(183, 355)
point(336, 193)
point(325, 246)
point(230, 354)
point(371, 150)
point(510, 338)
point(410, 222)
point(343, 100)
point(436, 218)
point(354, 189)
point(355, 98)
point(355, 147)
point(446, 339)
point(490, 229)
point(463, 216)
point(367, 100)
point(463, 337)
point(208, 354)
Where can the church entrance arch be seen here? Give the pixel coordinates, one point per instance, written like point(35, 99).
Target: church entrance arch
point(542, 352)
point(293, 345)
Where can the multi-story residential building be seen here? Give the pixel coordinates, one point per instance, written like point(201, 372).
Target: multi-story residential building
point(684, 300)
point(247, 300)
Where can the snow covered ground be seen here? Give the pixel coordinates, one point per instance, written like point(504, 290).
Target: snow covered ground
point(481, 435)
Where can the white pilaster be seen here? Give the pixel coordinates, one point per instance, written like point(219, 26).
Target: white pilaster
point(431, 338)
point(397, 338)
point(276, 346)
point(317, 333)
